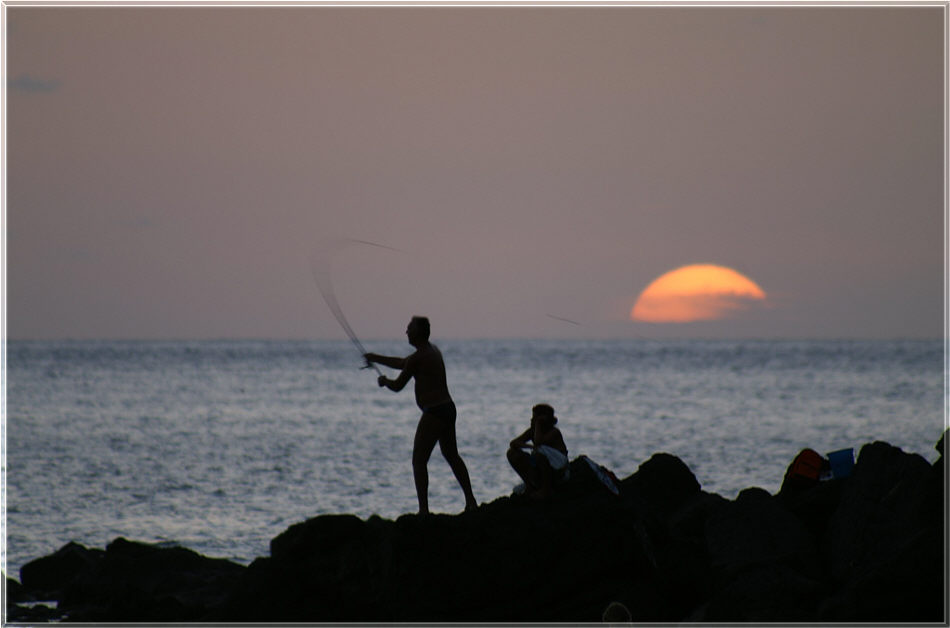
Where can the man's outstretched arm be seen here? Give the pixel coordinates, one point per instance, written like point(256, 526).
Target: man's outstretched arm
point(391, 362)
point(397, 384)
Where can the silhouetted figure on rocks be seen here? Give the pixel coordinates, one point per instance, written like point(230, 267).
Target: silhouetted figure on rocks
point(547, 461)
point(437, 423)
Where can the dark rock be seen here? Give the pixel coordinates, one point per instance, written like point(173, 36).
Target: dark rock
point(317, 535)
point(683, 571)
point(22, 605)
point(902, 585)
point(51, 574)
point(884, 553)
point(664, 481)
point(765, 564)
point(148, 583)
point(478, 566)
point(31, 614)
point(760, 594)
point(815, 506)
point(689, 520)
point(16, 592)
point(864, 548)
point(935, 490)
point(878, 511)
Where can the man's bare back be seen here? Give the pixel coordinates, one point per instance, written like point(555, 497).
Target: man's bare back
point(428, 369)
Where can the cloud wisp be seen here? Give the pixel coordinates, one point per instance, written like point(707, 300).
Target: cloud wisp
point(33, 85)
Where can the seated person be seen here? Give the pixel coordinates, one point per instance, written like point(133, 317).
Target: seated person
point(547, 461)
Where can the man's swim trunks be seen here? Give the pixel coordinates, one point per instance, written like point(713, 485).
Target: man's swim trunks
point(445, 411)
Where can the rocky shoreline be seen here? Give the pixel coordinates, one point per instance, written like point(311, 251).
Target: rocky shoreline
point(869, 547)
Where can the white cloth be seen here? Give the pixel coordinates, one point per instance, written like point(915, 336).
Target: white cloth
point(601, 474)
point(556, 459)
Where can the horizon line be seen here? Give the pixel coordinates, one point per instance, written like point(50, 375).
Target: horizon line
point(209, 339)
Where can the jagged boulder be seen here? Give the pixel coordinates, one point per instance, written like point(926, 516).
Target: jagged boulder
point(868, 547)
point(16, 592)
point(48, 576)
point(877, 509)
point(22, 606)
point(884, 553)
point(130, 581)
point(765, 564)
point(484, 565)
point(664, 482)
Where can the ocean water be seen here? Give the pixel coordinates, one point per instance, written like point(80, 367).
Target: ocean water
point(220, 446)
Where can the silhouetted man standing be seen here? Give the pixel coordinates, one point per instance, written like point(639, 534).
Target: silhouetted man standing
point(437, 423)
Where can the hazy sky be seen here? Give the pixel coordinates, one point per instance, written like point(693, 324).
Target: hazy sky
point(170, 170)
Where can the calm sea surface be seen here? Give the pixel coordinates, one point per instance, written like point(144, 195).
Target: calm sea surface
point(220, 446)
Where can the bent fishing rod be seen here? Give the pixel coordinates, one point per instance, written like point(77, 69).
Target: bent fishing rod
point(320, 268)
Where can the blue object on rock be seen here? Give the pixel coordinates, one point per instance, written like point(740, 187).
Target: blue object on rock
point(842, 462)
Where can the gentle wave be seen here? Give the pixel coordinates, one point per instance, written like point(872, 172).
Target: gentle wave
point(221, 445)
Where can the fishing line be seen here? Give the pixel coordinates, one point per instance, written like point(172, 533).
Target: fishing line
point(321, 266)
point(561, 318)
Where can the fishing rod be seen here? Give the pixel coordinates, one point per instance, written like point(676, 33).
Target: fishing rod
point(320, 268)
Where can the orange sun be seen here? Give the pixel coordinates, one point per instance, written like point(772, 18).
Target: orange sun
point(696, 292)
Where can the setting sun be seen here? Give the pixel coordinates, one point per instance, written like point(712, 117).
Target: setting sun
point(694, 293)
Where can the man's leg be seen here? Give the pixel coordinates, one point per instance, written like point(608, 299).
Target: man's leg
point(545, 477)
point(521, 463)
point(449, 447)
point(427, 433)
